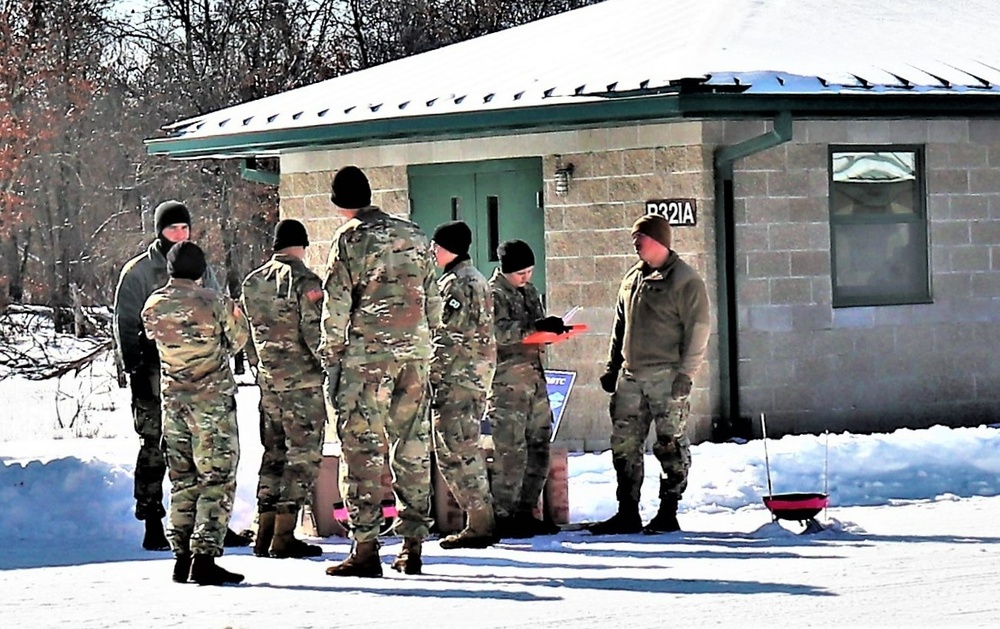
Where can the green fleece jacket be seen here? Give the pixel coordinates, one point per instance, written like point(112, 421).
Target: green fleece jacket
point(662, 319)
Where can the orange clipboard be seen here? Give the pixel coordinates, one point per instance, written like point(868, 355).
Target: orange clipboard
point(544, 338)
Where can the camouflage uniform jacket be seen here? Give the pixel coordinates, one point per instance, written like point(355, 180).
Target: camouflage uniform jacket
point(465, 346)
point(196, 331)
point(381, 301)
point(138, 279)
point(283, 301)
point(515, 311)
point(662, 319)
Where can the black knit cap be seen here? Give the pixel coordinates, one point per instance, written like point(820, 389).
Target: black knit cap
point(170, 213)
point(350, 189)
point(454, 236)
point(186, 261)
point(515, 255)
point(290, 233)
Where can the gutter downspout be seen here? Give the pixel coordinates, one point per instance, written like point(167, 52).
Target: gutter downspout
point(250, 172)
point(730, 424)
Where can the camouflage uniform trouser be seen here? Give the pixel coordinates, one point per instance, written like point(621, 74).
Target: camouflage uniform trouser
point(382, 408)
point(521, 422)
point(150, 466)
point(638, 401)
point(291, 431)
point(203, 450)
point(456, 445)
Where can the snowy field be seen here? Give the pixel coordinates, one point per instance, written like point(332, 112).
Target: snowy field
point(912, 539)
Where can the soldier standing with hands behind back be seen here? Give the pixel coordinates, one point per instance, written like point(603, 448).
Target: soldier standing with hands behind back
point(658, 341)
point(465, 356)
point(380, 309)
point(197, 331)
point(283, 300)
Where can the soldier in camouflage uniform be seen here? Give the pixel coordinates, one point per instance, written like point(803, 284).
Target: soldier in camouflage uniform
point(138, 279)
point(381, 305)
point(196, 331)
point(465, 357)
point(660, 335)
point(518, 406)
point(282, 300)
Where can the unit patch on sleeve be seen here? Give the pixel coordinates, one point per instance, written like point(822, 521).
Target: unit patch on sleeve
point(453, 304)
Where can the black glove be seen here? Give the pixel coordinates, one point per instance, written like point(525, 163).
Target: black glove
point(609, 381)
point(552, 324)
point(333, 383)
point(681, 388)
point(148, 351)
point(438, 394)
point(142, 385)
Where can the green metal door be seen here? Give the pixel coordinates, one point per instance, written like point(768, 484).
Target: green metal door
point(500, 200)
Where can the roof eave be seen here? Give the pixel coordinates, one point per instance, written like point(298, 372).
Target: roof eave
point(566, 116)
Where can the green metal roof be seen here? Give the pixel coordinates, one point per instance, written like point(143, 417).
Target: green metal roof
point(627, 61)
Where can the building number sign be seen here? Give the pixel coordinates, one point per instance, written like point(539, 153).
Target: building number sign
point(678, 212)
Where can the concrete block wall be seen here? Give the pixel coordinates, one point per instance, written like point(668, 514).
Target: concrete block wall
point(589, 249)
point(588, 242)
point(812, 367)
point(306, 196)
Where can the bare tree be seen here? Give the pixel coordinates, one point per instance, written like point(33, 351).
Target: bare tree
point(80, 89)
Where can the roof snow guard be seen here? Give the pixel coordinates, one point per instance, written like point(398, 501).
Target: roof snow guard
point(613, 63)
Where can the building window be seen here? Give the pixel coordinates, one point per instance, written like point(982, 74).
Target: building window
point(878, 226)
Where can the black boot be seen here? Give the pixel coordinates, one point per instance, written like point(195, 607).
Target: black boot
point(545, 527)
point(154, 539)
point(205, 572)
point(234, 539)
point(409, 560)
point(182, 567)
point(512, 527)
point(626, 521)
point(665, 520)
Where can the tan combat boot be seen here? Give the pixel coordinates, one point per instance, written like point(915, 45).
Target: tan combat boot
point(284, 544)
point(408, 561)
point(363, 562)
point(479, 531)
point(265, 531)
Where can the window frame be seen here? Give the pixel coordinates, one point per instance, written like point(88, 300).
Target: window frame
point(918, 217)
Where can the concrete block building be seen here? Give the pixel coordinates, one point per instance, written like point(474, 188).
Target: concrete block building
point(832, 169)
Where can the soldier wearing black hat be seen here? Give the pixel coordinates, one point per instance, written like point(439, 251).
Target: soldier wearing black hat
point(381, 308)
point(465, 356)
point(518, 406)
point(197, 331)
point(283, 300)
point(138, 279)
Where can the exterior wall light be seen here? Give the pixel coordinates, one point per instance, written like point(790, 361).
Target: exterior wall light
point(563, 176)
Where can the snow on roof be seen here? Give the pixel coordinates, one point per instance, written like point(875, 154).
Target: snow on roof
point(622, 47)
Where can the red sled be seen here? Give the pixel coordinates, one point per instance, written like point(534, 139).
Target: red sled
point(798, 507)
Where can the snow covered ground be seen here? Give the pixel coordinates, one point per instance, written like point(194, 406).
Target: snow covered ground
point(912, 539)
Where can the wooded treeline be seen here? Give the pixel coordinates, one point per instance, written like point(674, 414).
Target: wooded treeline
point(84, 82)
